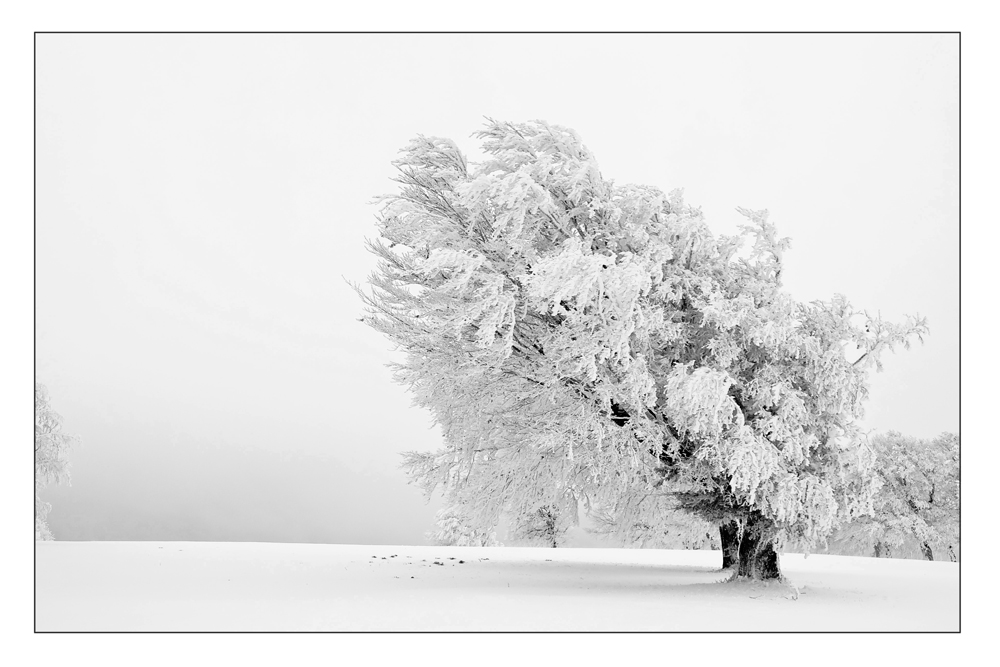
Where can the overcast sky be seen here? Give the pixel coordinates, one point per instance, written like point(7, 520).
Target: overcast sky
point(201, 200)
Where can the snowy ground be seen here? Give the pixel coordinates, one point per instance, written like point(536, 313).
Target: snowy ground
point(197, 586)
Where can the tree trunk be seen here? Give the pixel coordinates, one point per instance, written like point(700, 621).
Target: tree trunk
point(925, 548)
point(729, 534)
point(757, 557)
point(881, 548)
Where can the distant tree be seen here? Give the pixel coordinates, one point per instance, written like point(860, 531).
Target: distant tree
point(51, 446)
point(673, 529)
point(453, 530)
point(546, 525)
point(518, 484)
point(917, 506)
point(548, 312)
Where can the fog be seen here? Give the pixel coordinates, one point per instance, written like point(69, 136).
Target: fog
point(202, 202)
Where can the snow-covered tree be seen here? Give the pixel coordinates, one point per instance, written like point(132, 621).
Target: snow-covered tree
point(917, 507)
point(546, 525)
point(518, 484)
point(454, 530)
point(597, 339)
point(51, 446)
point(671, 529)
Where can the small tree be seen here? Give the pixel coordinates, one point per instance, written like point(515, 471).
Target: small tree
point(548, 312)
point(453, 530)
point(546, 525)
point(522, 485)
point(674, 529)
point(51, 446)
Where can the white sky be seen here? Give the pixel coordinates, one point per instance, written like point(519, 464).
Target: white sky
point(200, 200)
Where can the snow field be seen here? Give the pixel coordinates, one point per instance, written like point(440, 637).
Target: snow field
point(204, 586)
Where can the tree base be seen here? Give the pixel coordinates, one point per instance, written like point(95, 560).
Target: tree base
point(757, 557)
point(762, 567)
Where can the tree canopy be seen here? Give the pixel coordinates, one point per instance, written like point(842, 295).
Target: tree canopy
point(578, 338)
